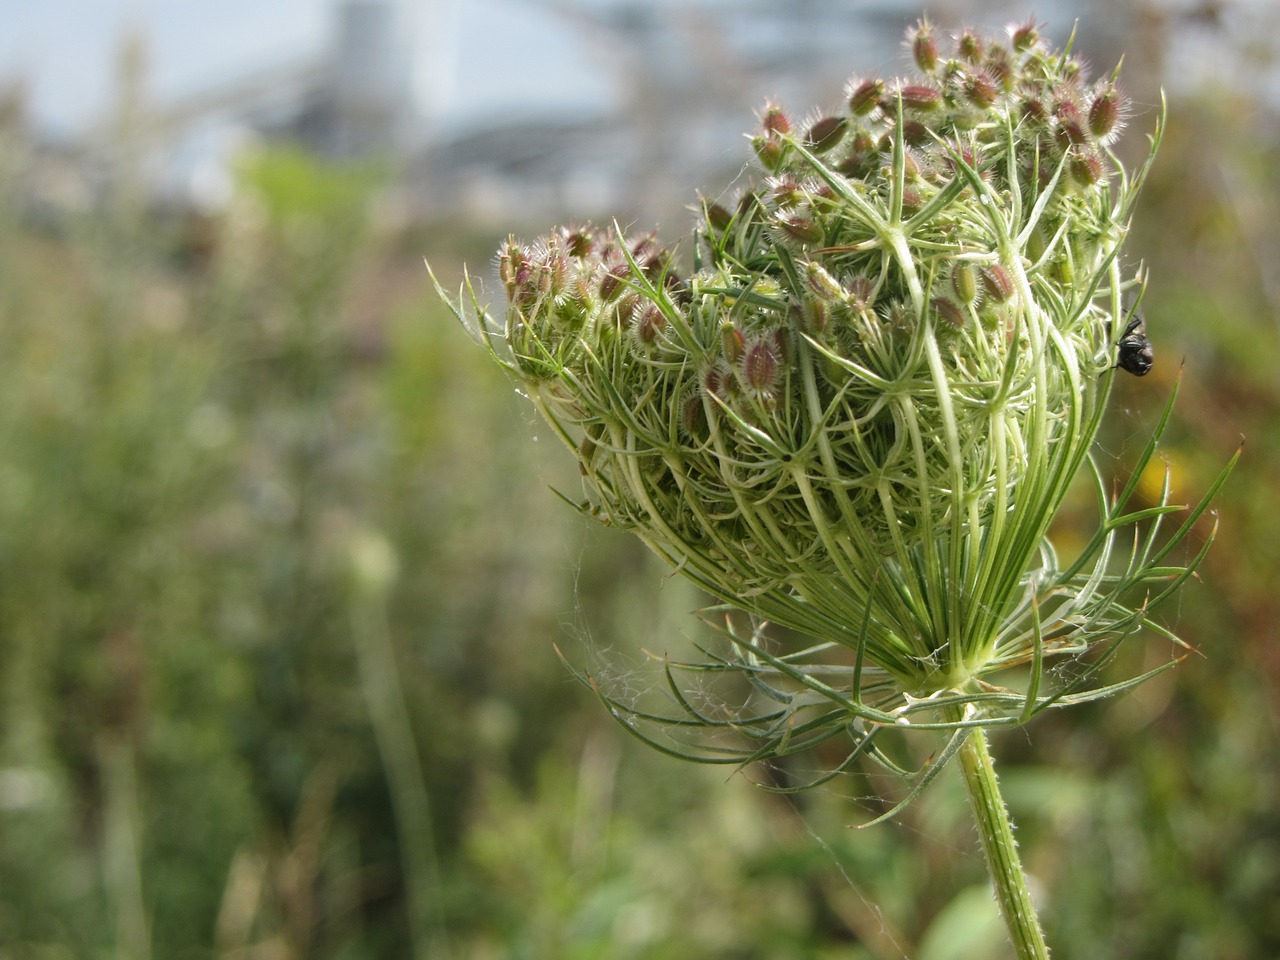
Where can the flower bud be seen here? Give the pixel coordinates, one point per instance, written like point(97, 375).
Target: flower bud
point(693, 418)
point(980, 90)
point(579, 242)
point(825, 133)
point(970, 46)
point(785, 190)
point(915, 133)
point(774, 122)
point(718, 218)
point(821, 283)
point(760, 366)
point(1086, 167)
point(782, 343)
point(1104, 112)
point(650, 325)
point(802, 228)
point(996, 283)
point(732, 343)
point(861, 293)
point(949, 311)
point(769, 151)
point(551, 272)
point(914, 96)
point(1025, 36)
point(1034, 111)
point(924, 47)
point(611, 284)
point(963, 282)
point(649, 255)
point(862, 151)
point(512, 257)
point(623, 313)
point(999, 67)
point(1071, 129)
point(865, 96)
point(717, 382)
point(817, 316)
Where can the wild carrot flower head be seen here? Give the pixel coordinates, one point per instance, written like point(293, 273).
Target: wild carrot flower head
point(858, 413)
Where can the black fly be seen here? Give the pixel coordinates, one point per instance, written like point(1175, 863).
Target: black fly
point(1136, 355)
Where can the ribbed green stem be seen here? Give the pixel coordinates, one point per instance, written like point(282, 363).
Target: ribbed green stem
point(1001, 850)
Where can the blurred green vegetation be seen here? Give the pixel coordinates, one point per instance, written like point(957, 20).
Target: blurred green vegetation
point(280, 578)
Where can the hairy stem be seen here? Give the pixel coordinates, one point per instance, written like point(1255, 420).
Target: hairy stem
point(1001, 850)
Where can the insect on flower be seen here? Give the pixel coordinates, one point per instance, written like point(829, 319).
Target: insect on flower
point(1136, 355)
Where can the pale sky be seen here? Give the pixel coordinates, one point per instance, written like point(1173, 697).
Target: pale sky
point(481, 61)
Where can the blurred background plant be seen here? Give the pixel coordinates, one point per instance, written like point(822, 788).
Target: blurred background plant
point(276, 617)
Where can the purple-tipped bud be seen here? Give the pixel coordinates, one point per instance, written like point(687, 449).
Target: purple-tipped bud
point(782, 343)
point(801, 228)
point(997, 283)
point(865, 97)
point(760, 365)
point(513, 265)
point(1104, 112)
point(916, 133)
point(862, 151)
point(649, 254)
point(717, 382)
point(821, 283)
point(825, 133)
point(1086, 167)
point(693, 418)
point(969, 153)
point(718, 218)
point(924, 47)
point(785, 190)
point(552, 272)
point(1025, 36)
point(769, 151)
point(970, 46)
point(862, 293)
point(611, 284)
point(732, 342)
point(816, 315)
point(650, 325)
point(1071, 130)
point(578, 241)
point(980, 89)
point(625, 311)
point(999, 67)
point(774, 121)
point(1034, 111)
point(949, 312)
point(914, 96)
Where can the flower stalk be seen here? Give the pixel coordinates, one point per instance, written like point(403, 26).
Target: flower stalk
point(1000, 849)
point(857, 415)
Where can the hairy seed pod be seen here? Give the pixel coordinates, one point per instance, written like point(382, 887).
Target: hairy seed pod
point(825, 133)
point(732, 343)
point(963, 282)
point(865, 96)
point(759, 368)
